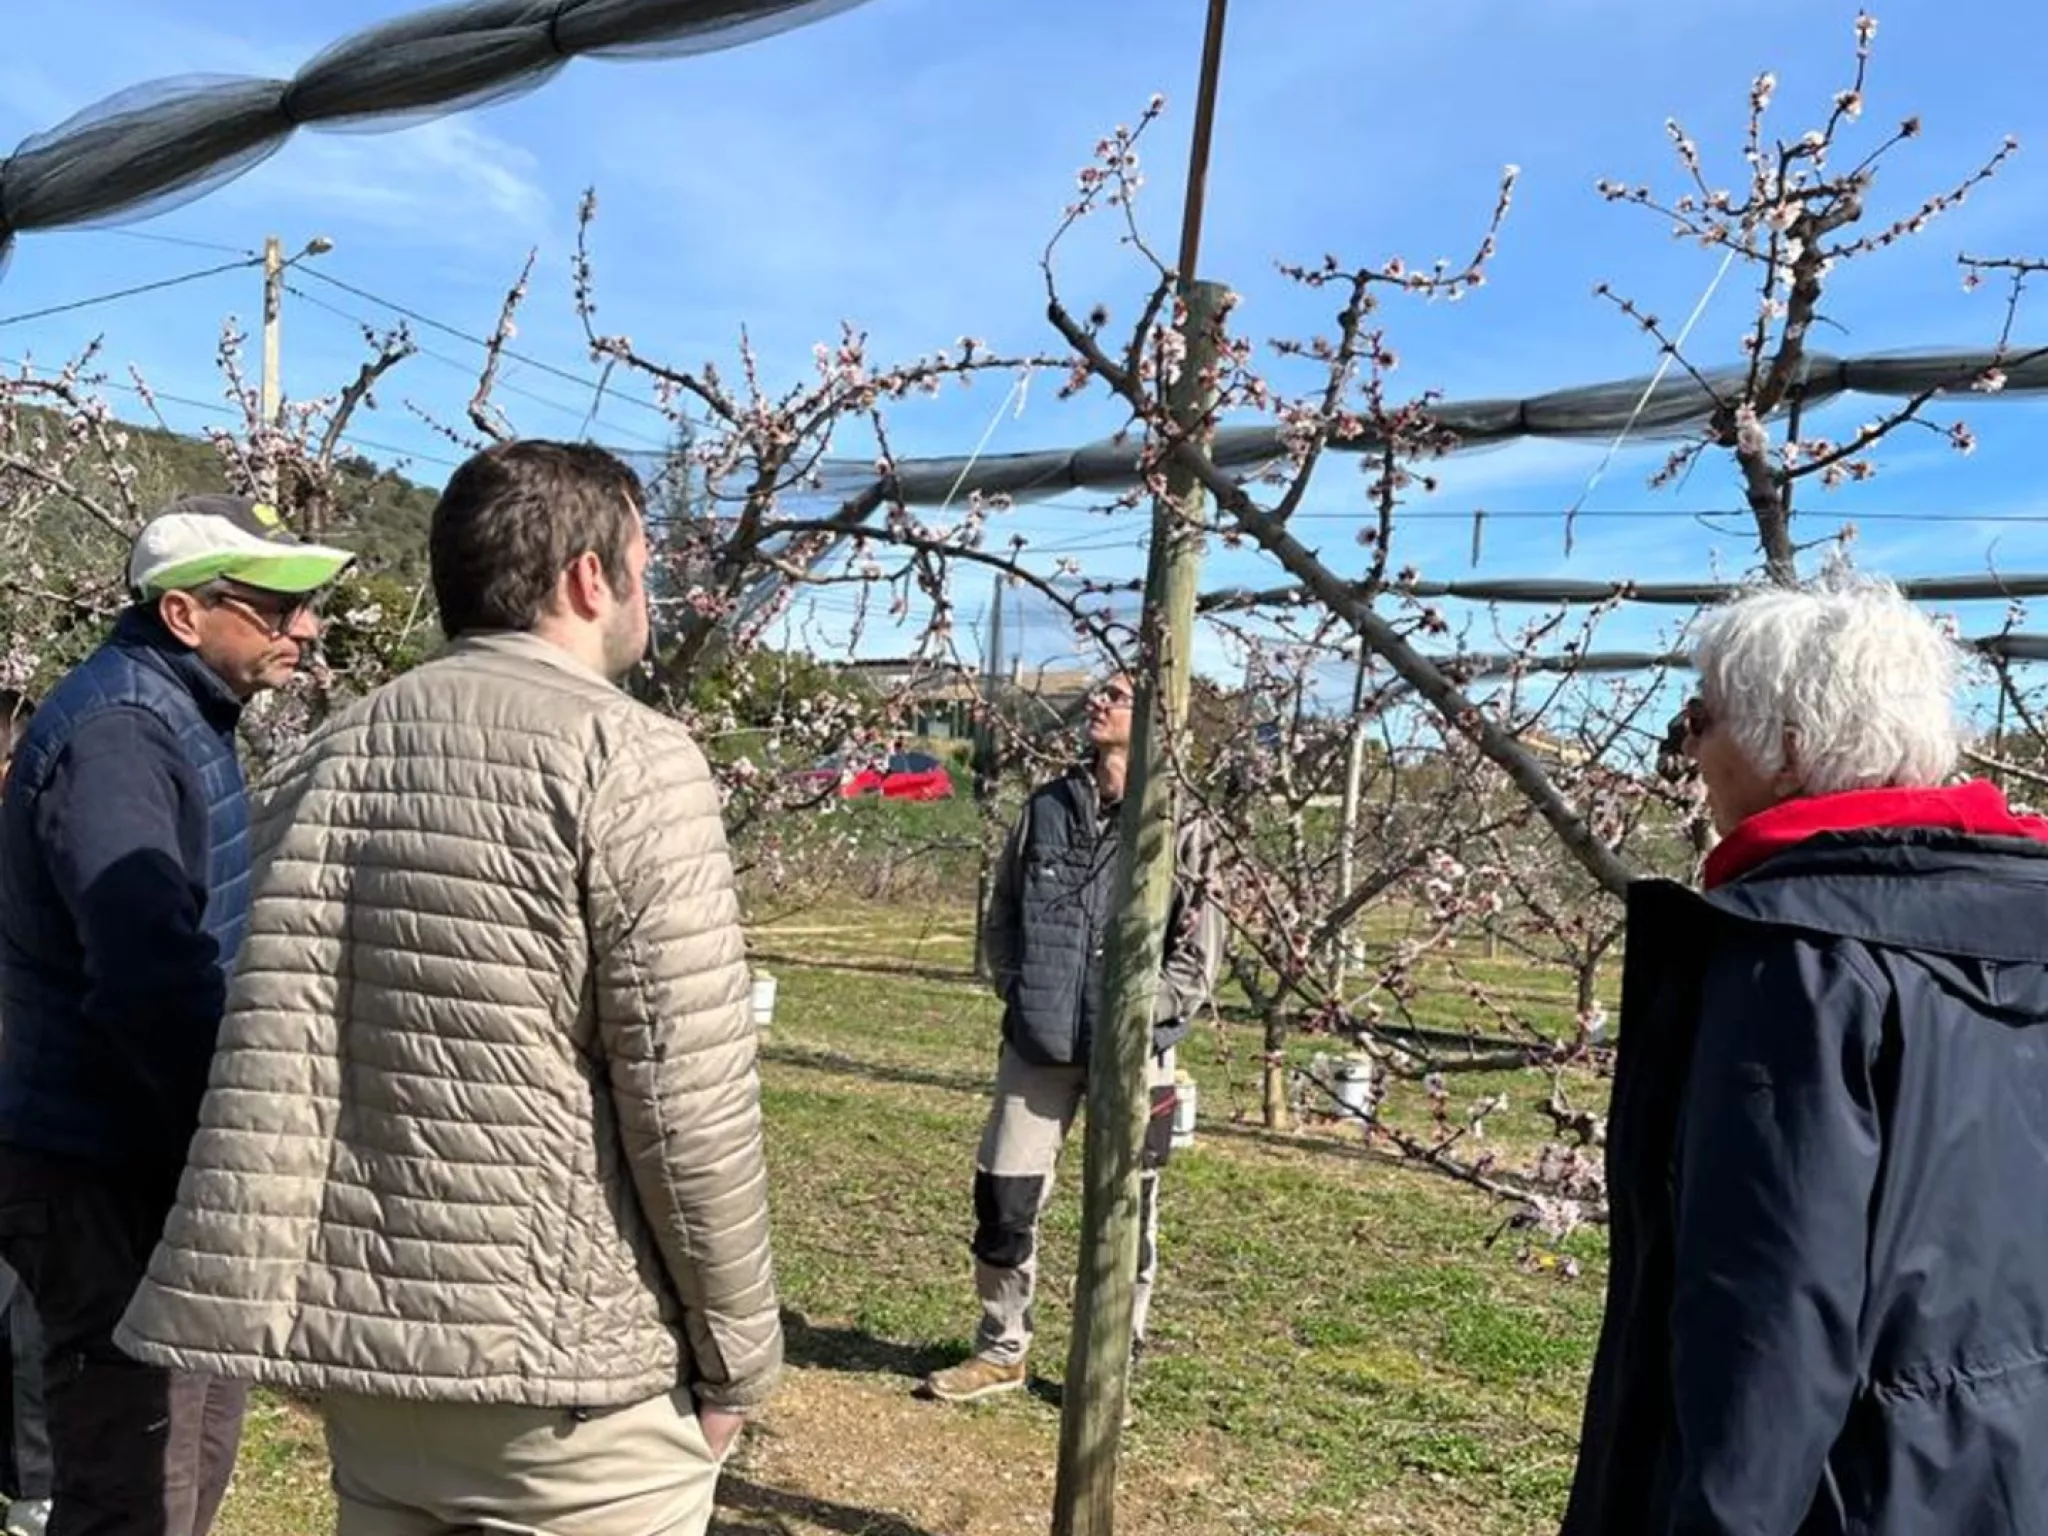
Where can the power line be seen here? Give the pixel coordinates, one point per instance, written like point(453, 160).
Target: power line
point(186, 241)
point(252, 260)
point(129, 293)
point(580, 412)
point(478, 341)
point(215, 408)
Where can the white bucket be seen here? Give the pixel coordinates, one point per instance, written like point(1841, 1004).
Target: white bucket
point(763, 999)
point(1184, 1095)
point(1353, 1080)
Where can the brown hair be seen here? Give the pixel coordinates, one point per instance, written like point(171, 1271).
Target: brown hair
point(512, 519)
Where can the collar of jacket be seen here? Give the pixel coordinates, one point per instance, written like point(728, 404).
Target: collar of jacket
point(1927, 889)
point(142, 634)
point(1977, 807)
point(525, 645)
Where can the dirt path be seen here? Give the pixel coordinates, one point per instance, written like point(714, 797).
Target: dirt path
point(844, 1454)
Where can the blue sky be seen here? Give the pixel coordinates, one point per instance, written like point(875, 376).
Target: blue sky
point(901, 164)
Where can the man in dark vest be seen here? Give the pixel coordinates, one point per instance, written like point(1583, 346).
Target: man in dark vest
point(1044, 936)
point(124, 888)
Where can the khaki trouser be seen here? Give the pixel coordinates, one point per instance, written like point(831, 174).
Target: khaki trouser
point(1034, 1109)
point(460, 1469)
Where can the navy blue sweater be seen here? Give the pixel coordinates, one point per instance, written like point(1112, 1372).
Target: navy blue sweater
point(124, 887)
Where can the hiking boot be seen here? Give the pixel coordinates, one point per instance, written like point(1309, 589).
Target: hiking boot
point(972, 1380)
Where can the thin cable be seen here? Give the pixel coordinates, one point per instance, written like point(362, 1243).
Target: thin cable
point(478, 341)
point(1663, 367)
point(184, 240)
point(216, 408)
point(129, 293)
point(1618, 514)
point(465, 368)
point(989, 432)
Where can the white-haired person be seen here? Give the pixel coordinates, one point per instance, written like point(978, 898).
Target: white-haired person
point(1827, 1306)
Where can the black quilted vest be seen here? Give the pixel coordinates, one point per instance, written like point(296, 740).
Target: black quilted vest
point(1066, 867)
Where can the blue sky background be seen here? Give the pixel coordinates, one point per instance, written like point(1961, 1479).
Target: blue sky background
point(901, 165)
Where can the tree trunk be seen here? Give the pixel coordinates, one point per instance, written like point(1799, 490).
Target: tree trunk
point(1278, 1115)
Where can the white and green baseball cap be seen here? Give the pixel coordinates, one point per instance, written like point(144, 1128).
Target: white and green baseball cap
point(234, 538)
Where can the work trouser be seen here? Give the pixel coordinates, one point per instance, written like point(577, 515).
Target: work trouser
point(138, 1451)
point(25, 1471)
point(457, 1469)
point(1034, 1109)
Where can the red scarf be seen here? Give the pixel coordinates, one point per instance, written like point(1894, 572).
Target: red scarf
point(1977, 807)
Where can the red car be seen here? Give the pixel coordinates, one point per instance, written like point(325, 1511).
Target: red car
point(903, 776)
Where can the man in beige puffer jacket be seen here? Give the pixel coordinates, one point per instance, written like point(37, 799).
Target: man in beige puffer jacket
point(481, 1158)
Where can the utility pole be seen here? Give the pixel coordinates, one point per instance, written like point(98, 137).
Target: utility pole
point(273, 341)
point(274, 268)
point(1099, 1358)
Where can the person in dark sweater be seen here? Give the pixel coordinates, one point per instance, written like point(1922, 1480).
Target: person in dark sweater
point(124, 888)
point(1044, 936)
point(24, 1431)
point(1827, 1298)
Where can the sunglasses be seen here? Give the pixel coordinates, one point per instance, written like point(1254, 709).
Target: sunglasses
point(272, 613)
point(1698, 718)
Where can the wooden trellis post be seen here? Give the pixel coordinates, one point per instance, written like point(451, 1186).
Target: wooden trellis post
point(1098, 1361)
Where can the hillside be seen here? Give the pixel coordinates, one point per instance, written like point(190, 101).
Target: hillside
point(379, 514)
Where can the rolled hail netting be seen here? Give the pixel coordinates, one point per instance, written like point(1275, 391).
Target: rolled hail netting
point(1675, 407)
point(165, 142)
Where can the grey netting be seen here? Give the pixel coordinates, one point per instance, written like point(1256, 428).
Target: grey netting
point(1679, 404)
point(172, 137)
point(1026, 631)
point(1477, 664)
point(1599, 411)
point(848, 491)
point(147, 147)
point(1682, 594)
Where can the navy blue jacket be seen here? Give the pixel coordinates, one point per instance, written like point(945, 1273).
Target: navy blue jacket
point(124, 890)
point(1827, 1308)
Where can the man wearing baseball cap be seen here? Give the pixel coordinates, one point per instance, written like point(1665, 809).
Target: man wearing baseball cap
point(124, 890)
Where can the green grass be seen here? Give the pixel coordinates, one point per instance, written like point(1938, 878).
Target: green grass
point(1337, 1346)
point(1328, 1314)
point(280, 1486)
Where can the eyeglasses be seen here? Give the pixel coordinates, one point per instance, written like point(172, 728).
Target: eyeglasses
point(1111, 696)
point(274, 619)
point(1698, 718)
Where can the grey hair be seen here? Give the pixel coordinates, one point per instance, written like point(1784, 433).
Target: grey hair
point(1843, 676)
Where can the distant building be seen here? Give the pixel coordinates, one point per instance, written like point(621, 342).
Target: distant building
point(942, 695)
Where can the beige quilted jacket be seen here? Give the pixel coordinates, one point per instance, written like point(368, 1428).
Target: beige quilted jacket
point(483, 1124)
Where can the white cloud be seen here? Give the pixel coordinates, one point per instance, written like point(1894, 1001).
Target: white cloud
point(443, 182)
